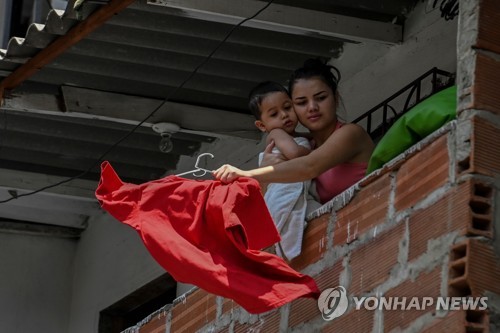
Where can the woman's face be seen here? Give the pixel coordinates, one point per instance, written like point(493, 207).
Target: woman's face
point(315, 104)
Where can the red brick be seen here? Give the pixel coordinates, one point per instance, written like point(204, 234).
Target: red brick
point(157, 324)
point(485, 148)
point(466, 209)
point(314, 243)
point(427, 284)
point(368, 208)
point(269, 323)
point(489, 26)
point(228, 305)
point(421, 174)
point(485, 87)
point(484, 268)
point(329, 277)
point(453, 322)
point(198, 310)
point(372, 262)
point(460, 322)
point(477, 321)
point(354, 321)
point(474, 268)
point(305, 309)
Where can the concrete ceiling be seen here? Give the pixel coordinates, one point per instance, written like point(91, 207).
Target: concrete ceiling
point(59, 121)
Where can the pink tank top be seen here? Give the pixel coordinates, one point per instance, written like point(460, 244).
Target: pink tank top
point(339, 178)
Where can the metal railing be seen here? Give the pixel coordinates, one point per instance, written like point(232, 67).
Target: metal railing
point(439, 80)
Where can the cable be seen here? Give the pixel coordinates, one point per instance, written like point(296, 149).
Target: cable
point(449, 9)
point(189, 77)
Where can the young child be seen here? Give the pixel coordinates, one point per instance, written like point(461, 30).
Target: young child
point(272, 107)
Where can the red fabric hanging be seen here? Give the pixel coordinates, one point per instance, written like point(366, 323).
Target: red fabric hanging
point(209, 234)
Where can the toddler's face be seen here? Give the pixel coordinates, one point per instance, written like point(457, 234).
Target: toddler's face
point(277, 112)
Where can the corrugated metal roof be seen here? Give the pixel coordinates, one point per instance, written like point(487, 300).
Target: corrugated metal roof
point(62, 118)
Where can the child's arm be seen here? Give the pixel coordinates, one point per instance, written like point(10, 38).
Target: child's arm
point(306, 135)
point(285, 143)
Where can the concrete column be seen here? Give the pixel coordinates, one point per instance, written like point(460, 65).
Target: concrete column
point(478, 56)
point(5, 14)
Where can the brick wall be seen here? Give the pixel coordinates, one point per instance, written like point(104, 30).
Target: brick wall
point(424, 225)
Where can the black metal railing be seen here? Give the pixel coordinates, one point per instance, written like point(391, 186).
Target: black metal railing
point(439, 80)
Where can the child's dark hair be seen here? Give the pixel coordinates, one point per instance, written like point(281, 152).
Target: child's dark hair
point(260, 91)
point(316, 68)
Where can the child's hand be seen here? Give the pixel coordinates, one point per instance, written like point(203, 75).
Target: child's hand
point(228, 173)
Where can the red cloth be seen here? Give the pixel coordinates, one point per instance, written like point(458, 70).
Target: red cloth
point(208, 234)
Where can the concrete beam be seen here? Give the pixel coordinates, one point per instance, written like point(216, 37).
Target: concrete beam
point(35, 229)
point(48, 208)
point(196, 121)
point(288, 19)
point(192, 119)
point(28, 181)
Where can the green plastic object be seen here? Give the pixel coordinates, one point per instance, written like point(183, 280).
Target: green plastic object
point(420, 121)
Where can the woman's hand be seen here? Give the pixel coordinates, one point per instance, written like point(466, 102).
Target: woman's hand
point(270, 158)
point(228, 173)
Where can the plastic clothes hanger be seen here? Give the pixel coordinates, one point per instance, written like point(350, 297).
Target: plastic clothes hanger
point(197, 168)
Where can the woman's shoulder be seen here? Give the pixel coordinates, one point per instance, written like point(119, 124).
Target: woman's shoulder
point(351, 127)
point(352, 131)
point(357, 138)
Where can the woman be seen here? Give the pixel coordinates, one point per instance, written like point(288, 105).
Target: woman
point(341, 151)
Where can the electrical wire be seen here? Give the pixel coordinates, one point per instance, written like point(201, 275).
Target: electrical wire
point(167, 98)
point(448, 8)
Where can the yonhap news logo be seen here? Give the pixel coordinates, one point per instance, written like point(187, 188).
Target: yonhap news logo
point(333, 303)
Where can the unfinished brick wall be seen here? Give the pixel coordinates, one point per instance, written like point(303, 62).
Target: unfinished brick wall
point(425, 225)
point(422, 226)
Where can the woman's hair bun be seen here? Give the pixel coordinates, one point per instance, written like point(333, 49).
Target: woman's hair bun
point(320, 66)
point(315, 67)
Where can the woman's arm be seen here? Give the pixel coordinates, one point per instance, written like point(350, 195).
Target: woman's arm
point(270, 158)
point(349, 143)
